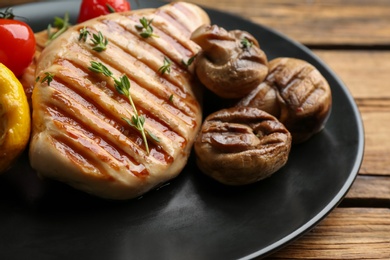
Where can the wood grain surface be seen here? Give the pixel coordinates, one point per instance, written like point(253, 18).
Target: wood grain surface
point(353, 38)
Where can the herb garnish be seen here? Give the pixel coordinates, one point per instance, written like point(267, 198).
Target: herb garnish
point(62, 24)
point(166, 68)
point(190, 61)
point(122, 86)
point(84, 34)
point(99, 42)
point(146, 28)
point(48, 78)
point(110, 8)
point(246, 43)
point(171, 98)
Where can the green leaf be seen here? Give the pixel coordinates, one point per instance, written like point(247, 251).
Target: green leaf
point(166, 67)
point(62, 24)
point(99, 42)
point(146, 28)
point(155, 138)
point(48, 78)
point(99, 67)
point(84, 34)
point(190, 61)
point(246, 43)
point(110, 8)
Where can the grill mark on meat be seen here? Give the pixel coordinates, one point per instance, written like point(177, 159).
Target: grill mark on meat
point(164, 88)
point(142, 50)
point(138, 95)
point(77, 159)
point(166, 43)
point(171, 19)
point(75, 133)
point(182, 15)
point(175, 31)
point(146, 90)
point(81, 99)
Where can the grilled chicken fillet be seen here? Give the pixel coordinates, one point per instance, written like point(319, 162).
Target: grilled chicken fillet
point(79, 134)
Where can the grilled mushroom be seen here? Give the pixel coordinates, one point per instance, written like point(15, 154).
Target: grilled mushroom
point(240, 145)
point(302, 97)
point(231, 64)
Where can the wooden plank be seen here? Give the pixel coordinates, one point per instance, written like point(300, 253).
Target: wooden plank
point(347, 233)
point(377, 142)
point(321, 22)
point(371, 190)
point(324, 22)
point(4, 3)
point(365, 73)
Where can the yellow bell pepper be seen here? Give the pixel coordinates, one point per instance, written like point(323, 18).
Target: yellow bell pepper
point(15, 119)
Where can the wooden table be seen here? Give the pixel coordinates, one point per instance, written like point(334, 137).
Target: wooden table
point(353, 38)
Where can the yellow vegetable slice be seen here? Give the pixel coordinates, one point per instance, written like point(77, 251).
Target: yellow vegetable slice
point(15, 120)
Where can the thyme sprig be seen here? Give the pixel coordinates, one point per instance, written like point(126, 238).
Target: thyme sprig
point(122, 86)
point(246, 43)
point(61, 24)
point(99, 42)
point(48, 78)
point(166, 67)
point(84, 34)
point(110, 8)
point(189, 61)
point(146, 28)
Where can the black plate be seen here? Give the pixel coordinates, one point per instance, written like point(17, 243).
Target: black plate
point(192, 217)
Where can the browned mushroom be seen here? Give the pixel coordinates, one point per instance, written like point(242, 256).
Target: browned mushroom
point(240, 145)
point(231, 64)
point(297, 94)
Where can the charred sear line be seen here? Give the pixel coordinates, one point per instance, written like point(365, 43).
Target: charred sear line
point(160, 50)
point(88, 137)
point(98, 96)
point(84, 160)
point(174, 21)
point(290, 90)
point(73, 96)
point(163, 110)
point(190, 16)
point(168, 86)
point(186, 50)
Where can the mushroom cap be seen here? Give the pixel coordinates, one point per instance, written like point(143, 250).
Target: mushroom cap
point(225, 65)
point(241, 145)
point(303, 98)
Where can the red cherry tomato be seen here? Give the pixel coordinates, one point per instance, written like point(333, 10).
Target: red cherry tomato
point(93, 8)
point(17, 45)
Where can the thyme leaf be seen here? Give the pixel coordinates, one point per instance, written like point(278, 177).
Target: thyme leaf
point(146, 28)
point(110, 8)
point(189, 61)
point(122, 86)
point(84, 34)
point(99, 42)
point(99, 67)
point(166, 67)
point(61, 24)
point(246, 43)
point(48, 78)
